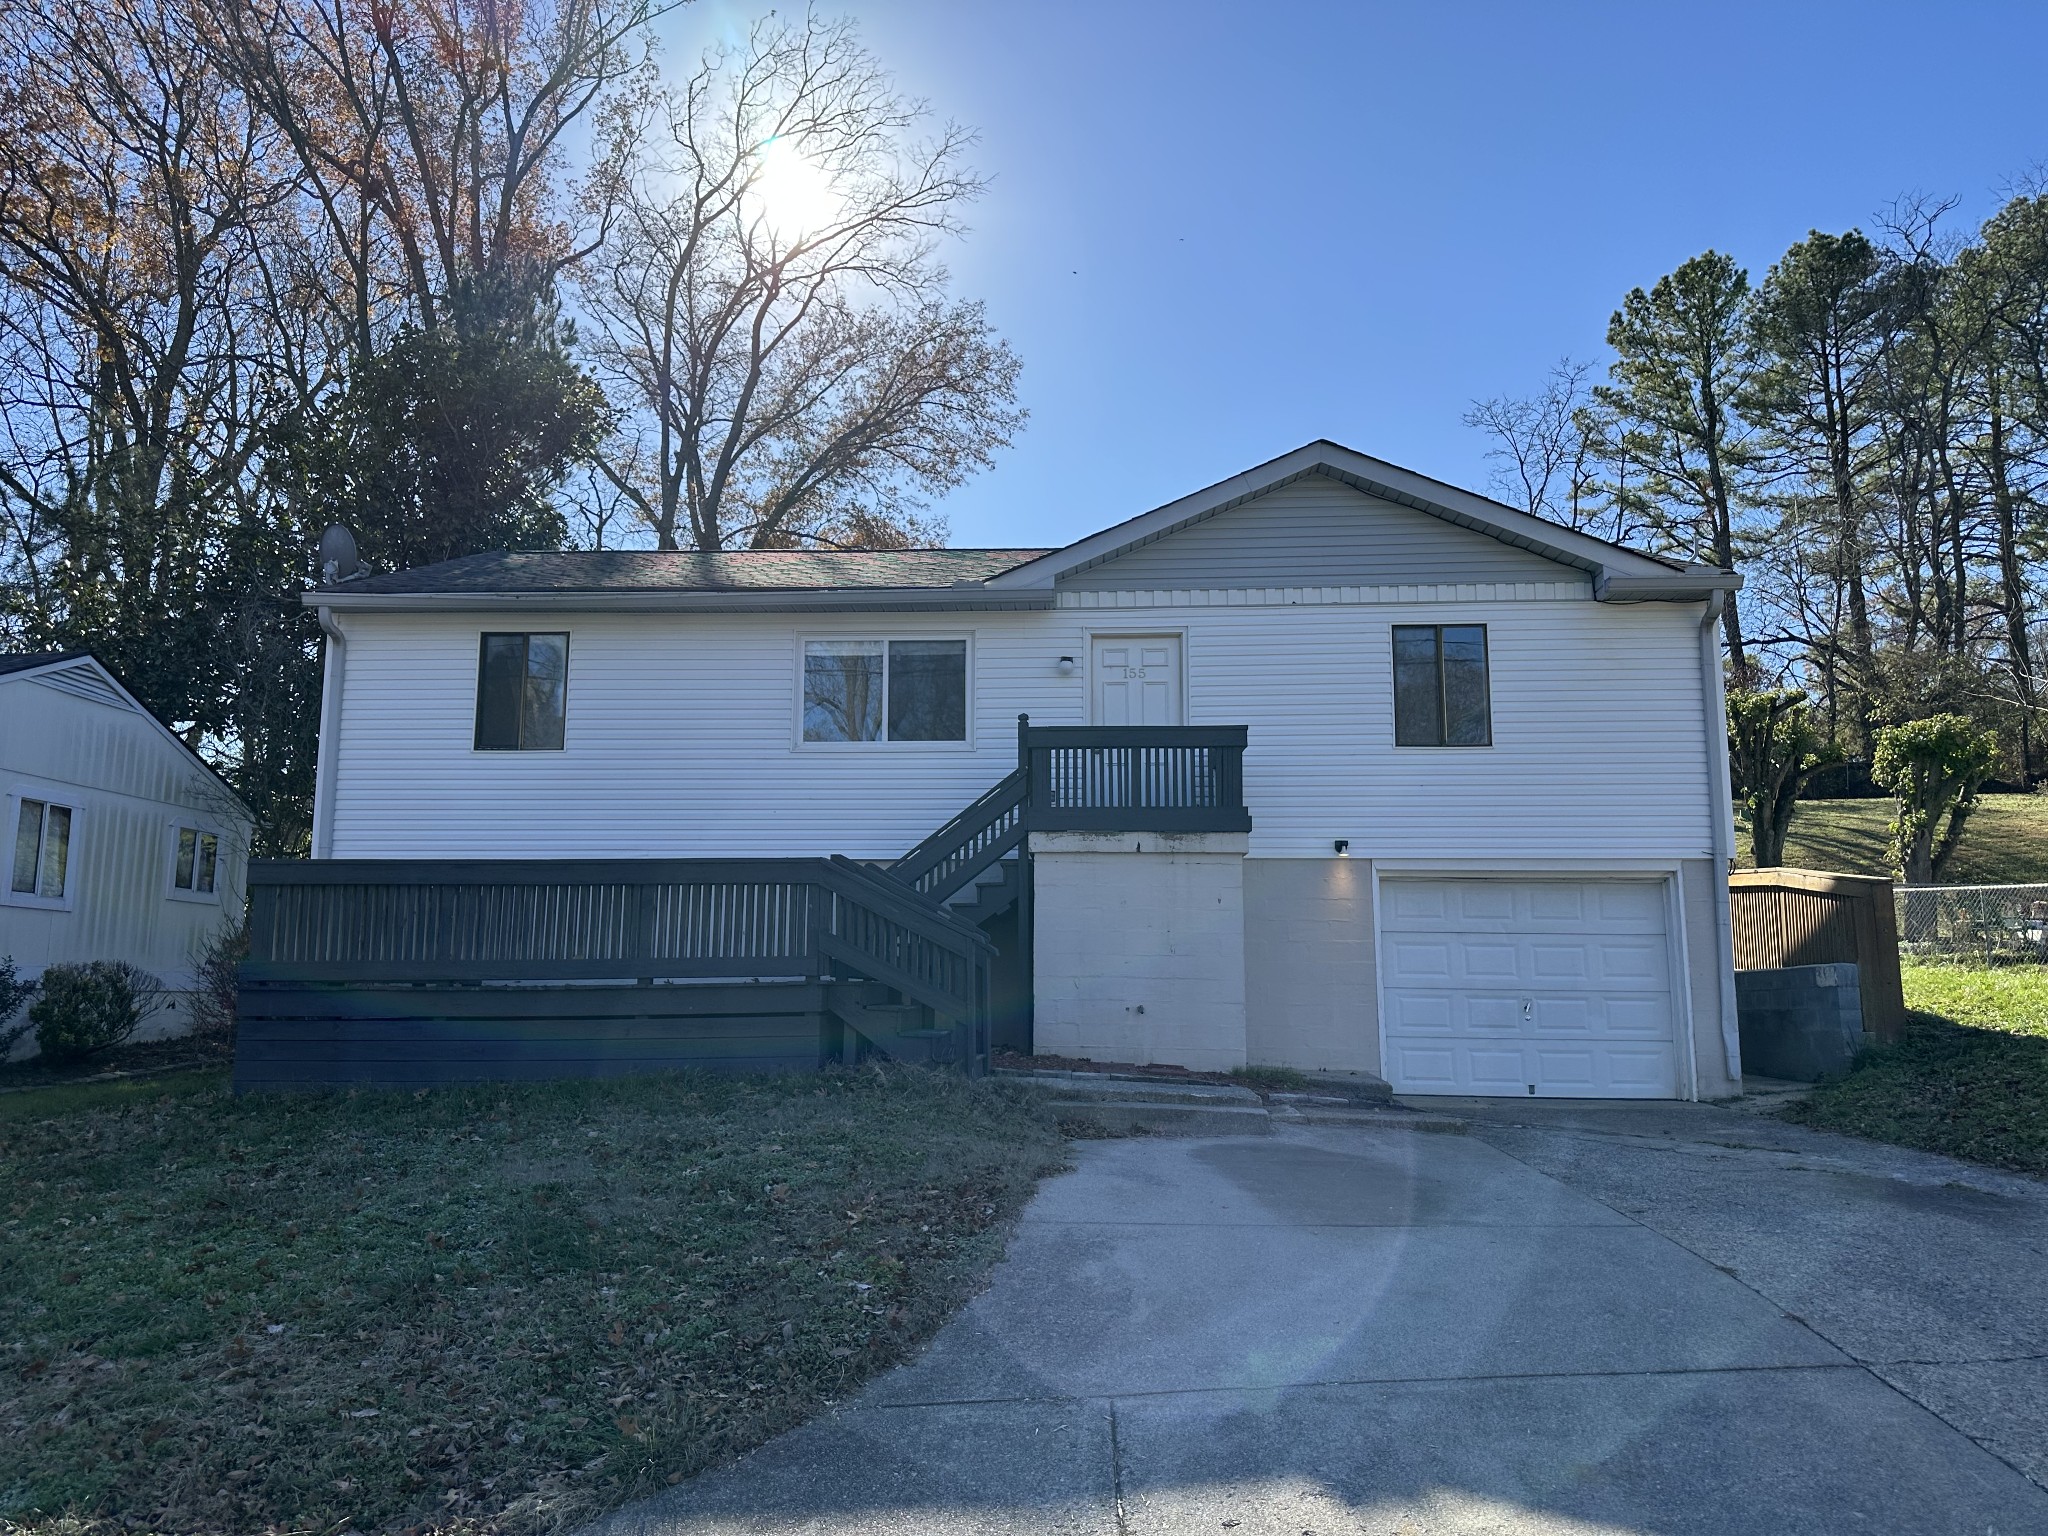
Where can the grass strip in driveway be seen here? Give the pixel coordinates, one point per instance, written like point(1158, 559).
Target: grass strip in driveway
point(472, 1309)
point(1970, 1077)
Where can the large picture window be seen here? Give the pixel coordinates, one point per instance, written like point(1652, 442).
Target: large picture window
point(522, 690)
point(885, 690)
point(42, 851)
point(1441, 694)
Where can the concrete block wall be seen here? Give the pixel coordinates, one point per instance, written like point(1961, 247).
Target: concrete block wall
point(1139, 954)
point(1801, 1022)
point(1310, 985)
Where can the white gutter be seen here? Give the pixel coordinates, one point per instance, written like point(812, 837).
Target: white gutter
point(324, 764)
point(1721, 806)
point(968, 597)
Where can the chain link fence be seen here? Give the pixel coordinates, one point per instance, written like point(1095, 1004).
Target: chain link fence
point(1991, 924)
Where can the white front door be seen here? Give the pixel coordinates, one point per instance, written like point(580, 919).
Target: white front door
point(1136, 680)
point(1557, 988)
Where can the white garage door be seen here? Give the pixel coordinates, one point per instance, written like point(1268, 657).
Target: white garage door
point(1557, 987)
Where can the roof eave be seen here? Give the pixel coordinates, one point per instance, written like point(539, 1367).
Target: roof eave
point(967, 597)
point(1689, 586)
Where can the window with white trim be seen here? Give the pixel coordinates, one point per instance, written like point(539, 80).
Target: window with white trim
point(195, 864)
point(40, 871)
point(885, 690)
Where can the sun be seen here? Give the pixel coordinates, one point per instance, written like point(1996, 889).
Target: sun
point(792, 194)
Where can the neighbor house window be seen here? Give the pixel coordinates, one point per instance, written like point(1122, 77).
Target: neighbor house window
point(42, 850)
point(1441, 697)
point(885, 690)
point(522, 689)
point(195, 863)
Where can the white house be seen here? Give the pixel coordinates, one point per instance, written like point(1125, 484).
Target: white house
point(1485, 770)
point(121, 844)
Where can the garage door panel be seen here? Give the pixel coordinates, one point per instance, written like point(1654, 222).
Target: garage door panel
point(1575, 973)
point(1552, 960)
point(1494, 1071)
point(1640, 1073)
point(1410, 959)
point(1437, 1069)
point(1476, 960)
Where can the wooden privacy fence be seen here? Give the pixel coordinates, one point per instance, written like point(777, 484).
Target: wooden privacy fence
point(1787, 917)
point(349, 957)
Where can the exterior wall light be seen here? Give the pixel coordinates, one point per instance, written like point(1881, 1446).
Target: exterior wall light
point(1066, 665)
point(1343, 847)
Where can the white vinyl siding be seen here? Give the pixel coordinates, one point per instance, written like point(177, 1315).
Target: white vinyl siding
point(1321, 530)
point(86, 747)
point(682, 744)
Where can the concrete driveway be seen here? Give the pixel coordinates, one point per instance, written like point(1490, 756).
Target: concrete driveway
point(1574, 1319)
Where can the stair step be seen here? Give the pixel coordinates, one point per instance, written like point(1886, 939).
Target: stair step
point(1152, 1117)
point(1146, 1090)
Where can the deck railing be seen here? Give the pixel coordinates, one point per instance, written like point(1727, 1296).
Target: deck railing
point(619, 920)
point(1159, 778)
point(1088, 779)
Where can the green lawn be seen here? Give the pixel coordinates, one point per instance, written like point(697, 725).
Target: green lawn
point(499, 1309)
point(1970, 1078)
point(2005, 841)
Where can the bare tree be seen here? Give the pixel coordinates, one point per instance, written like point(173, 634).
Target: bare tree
point(136, 189)
point(770, 310)
point(1546, 448)
point(434, 139)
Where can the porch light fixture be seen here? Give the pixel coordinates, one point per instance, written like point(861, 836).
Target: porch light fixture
point(1066, 665)
point(1343, 847)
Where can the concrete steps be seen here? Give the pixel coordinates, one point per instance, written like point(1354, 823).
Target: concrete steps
point(1126, 1104)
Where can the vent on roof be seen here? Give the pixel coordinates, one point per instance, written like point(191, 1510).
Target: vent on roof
point(83, 680)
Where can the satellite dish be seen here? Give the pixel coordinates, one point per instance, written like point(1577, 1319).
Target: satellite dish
point(338, 558)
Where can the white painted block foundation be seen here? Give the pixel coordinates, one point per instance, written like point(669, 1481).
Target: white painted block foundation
point(1138, 950)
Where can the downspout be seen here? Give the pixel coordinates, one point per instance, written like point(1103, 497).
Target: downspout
point(324, 764)
point(1721, 808)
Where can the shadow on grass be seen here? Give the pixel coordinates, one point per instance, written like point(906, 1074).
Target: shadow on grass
point(1980, 1094)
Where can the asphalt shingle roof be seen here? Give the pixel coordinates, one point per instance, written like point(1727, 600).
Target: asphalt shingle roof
point(23, 661)
point(640, 570)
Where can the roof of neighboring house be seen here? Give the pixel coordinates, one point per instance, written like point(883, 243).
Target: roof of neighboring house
point(61, 670)
point(747, 570)
point(23, 660)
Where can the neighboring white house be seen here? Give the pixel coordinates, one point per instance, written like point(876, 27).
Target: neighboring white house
point(120, 843)
point(1486, 768)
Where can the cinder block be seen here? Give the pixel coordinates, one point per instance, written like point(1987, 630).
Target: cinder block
point(1802, 1022)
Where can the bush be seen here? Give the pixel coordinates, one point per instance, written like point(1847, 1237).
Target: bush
point(13, 993)
point(86, 1009)
point(216, 984)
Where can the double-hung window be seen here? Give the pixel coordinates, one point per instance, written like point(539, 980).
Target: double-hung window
point(1441, 694)
point(522, 692)
point(41, 867)
point(195, 864)
point(885, 690)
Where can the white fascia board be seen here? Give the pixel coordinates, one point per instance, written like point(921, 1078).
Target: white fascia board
point(1373, 477)
point(185, 752)
point(1691, 585)
point(968, 597)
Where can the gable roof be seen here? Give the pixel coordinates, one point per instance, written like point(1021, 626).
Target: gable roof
point(83, 675)
point(1619, 574)
point(847, 580)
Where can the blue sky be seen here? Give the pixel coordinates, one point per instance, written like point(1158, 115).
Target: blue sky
point(1215, 232)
